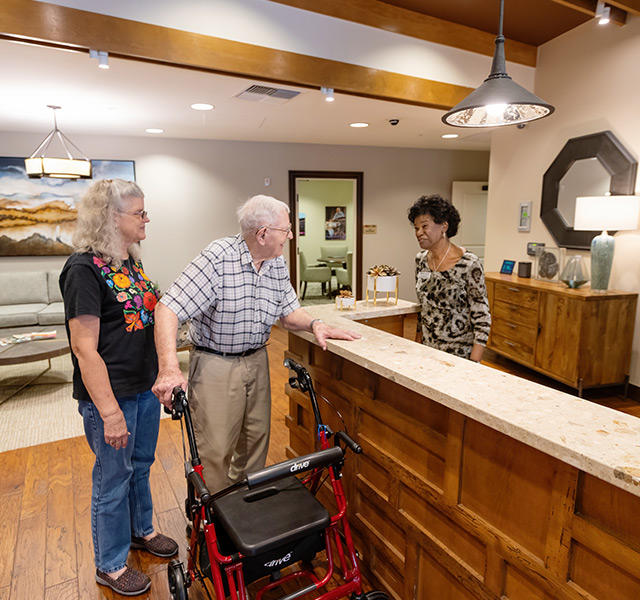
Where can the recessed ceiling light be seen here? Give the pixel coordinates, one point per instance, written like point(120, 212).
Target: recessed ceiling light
point(449, 136)
point(154, 130)
point(202, 106)
point(358, 124)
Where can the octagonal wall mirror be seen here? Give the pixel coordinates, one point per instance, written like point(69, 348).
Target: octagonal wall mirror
point(591, 165)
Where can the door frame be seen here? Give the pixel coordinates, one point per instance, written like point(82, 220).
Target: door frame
point(358, 177)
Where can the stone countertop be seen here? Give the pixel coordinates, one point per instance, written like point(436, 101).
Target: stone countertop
point(593, 438)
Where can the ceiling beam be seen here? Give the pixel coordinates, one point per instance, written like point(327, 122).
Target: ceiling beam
point(588, 7)
point(424, 27)
point(53, 25)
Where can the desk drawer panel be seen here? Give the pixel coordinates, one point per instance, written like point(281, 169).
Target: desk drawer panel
point(514, 294)
point(514, 331)
point(511, 347)
point(527, 317)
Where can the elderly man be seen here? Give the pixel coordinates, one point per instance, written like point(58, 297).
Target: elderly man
point(233, 292)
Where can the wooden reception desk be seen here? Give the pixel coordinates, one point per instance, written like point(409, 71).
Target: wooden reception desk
point(473, 484)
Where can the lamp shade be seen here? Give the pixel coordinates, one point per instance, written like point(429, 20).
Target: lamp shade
point(607, 213)
point(61, 168)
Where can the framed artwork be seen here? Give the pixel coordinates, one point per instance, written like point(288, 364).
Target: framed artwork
point(335, 227)
point(302, 223)
point(37, 216)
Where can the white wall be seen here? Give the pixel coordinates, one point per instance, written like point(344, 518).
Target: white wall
point(193, 188)
point(590, 75)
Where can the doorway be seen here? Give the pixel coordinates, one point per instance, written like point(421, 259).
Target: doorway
point(321, 227)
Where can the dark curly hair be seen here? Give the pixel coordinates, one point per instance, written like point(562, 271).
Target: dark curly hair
point(439, 209)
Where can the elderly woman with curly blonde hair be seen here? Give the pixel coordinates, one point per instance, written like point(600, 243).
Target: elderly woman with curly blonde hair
point(109, 314)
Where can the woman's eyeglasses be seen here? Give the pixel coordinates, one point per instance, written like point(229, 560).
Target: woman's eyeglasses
point(142, 214)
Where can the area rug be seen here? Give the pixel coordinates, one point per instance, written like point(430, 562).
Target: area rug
point(44, 411)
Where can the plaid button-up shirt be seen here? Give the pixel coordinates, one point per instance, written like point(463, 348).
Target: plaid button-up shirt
point(231, 306)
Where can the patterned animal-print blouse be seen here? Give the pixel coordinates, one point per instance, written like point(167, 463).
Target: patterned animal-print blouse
point(455, 310)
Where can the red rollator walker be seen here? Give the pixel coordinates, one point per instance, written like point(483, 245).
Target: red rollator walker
point(270, 521)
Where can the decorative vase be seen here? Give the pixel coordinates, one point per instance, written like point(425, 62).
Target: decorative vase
point(382, 283)
point(602, 247)
point(345, 303)
point(575, 272)
point(386, 284)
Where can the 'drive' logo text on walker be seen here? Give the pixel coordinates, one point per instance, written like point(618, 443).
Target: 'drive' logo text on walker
point(299, 466)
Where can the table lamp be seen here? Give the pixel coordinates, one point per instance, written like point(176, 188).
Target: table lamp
point(609, 213)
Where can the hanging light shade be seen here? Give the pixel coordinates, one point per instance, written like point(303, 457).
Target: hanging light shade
point(499, 100)
point(38, 165)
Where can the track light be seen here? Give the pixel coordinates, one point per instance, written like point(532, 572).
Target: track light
point(328, 94)
point(61, 168)
point(603, 13)
point(102, 58)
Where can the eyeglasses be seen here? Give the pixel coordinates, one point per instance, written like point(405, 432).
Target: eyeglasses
point(287, 230)
point(142, 214)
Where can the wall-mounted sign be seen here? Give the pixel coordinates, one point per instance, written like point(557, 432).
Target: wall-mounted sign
point(370, 229)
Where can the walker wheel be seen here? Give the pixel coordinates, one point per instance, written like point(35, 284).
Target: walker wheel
point(376, 595)
point(177, 586)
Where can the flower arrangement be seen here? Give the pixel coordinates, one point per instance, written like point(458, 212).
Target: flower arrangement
point(383, 271)
point(346, 294)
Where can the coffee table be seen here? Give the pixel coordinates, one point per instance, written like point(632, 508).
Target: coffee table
point(24, 352)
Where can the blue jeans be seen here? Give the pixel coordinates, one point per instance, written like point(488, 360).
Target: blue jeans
point(121, 504)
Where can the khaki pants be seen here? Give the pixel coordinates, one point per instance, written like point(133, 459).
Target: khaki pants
point(230, 399)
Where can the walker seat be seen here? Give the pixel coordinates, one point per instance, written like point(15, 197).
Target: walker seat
point(271, 516)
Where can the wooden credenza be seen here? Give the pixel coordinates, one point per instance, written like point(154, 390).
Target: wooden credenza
point(580, 337)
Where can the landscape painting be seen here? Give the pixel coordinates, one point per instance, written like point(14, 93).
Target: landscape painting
point(37, 216)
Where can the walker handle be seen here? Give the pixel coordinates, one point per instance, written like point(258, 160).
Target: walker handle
point(201, 487)
point(349, 441)
point(293, 466)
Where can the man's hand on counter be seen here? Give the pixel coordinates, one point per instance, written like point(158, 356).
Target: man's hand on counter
point(324, 332)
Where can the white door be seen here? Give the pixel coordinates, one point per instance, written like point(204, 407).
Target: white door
point(470, 198)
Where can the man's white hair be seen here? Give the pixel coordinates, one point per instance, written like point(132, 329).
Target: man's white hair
point(260, 211)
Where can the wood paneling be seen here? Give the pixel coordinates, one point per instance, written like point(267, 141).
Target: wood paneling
point(445, 507)
point(406, 22)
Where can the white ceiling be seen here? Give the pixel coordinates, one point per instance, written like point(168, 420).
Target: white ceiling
point(132, 96)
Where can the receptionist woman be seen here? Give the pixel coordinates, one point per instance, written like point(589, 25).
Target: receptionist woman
point(450, 283)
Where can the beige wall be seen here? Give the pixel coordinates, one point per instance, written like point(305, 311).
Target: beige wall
point(590, 75)
point(194, 187)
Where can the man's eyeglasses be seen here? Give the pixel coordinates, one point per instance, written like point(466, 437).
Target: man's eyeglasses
point(287, 230)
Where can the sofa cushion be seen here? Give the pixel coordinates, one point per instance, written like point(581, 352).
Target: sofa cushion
point(23, 287)
point(16, 315)
point(52, 314)
point(53, 286)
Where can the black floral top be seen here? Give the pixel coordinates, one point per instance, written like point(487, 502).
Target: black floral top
point(455, 310)
point(124, 299)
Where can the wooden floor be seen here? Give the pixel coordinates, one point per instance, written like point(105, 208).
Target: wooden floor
point(45, 493)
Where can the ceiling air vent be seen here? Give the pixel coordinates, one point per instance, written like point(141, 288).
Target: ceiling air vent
point(270, 95)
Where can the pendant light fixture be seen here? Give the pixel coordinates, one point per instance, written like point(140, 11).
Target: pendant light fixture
point(499, 100)
point(38, 165)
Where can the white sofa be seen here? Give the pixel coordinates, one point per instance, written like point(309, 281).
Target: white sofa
point(30, 298)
